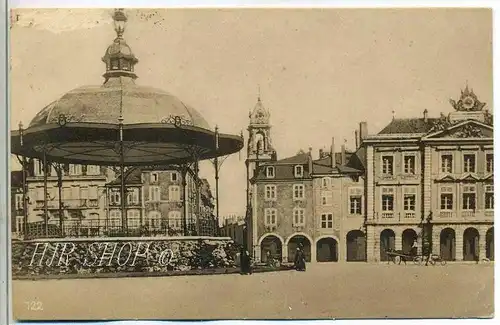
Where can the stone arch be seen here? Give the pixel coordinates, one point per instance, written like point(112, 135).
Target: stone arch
point(471, 244)
point(490, 244)
point(293, 241)
point(387, 241)
point(356, 246)
point(327, 249)
point(408, 237)
point(271, 234)
point(447, 244)
point(271, 245)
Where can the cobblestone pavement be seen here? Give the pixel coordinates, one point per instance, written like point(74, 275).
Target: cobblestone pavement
point(324, 291)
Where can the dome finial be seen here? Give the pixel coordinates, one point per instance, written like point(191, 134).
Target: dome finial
point(119, 20)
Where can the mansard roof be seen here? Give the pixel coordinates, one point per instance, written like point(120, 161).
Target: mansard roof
point(409, 125)
point(132, 177)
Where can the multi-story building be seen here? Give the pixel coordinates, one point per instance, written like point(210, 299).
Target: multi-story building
point(431, 179)
point(233, 227)
point(162, 201)
point(428, 180)
point(82, 189)
point(301, 201)
point(16, 204)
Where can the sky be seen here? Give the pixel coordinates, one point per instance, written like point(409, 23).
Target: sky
point(320, 71)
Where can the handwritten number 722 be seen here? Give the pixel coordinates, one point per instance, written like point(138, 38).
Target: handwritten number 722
point(34, 305)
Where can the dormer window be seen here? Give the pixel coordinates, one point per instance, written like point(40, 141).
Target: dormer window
point(154, 177)
point(270, 172)
point(299, 171)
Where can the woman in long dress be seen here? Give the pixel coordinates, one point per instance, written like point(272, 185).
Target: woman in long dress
point(300, 260)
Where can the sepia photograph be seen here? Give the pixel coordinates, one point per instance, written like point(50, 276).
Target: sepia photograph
point(251, 163)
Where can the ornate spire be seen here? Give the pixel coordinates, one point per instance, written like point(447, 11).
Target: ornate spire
point(119, 59)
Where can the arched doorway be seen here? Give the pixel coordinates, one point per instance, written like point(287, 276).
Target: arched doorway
point(356, 246)
point(447, 244)
point(387, 241)
point(294, 242)
point(273, 245)
point(471, 244)
point(407, 239)
point(490, 244)
point(327, 250)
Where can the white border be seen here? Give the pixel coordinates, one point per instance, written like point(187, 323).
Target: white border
point(220, 3)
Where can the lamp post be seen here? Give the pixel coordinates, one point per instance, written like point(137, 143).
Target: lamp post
point(217, 166)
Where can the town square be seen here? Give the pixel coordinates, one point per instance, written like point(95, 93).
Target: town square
point(176, 164)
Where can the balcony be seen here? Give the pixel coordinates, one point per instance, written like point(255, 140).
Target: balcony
point(408, 215)
point(446, 215)
point(464, 216)
point(387, 215)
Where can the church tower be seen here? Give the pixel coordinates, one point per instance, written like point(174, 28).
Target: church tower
point(259, 150)
point(259, 146)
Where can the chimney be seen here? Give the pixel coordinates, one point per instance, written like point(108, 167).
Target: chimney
point(426, 115)
point(310, 161)
point(332, 152)
point(321, 153)
point(356, 138)
point(343, 158)
point(363, 132)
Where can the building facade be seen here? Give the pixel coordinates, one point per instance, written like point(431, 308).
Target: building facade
point(163, 201)
point(431, 180)
point(82, 195)
point(424, 179)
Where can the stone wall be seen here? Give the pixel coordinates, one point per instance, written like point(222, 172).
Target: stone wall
point(121, 255)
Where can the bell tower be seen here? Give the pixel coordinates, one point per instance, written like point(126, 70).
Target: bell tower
point(259, 146)
point(259, 149)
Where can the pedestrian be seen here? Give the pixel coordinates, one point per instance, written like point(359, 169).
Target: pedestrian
point(427, 253)
point(414, 248)
point(243, 262)
point(300, 259)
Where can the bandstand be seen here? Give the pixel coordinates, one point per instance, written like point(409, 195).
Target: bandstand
point(120, 125)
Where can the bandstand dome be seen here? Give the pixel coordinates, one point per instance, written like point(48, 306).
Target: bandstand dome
point(151, 125)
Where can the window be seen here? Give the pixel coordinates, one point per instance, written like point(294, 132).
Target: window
point(447, 163)
point(325, 182)
point(38, 167)
point(327, 221)
point(153, 177)
point(270, 172)
point(133, 218)
point(387, 199)
point(75, 192)
point(299, 217)
point(154, 193)
point(75, 170)
point(174, 220)
point(270, 192)
point(298, 191)
point(469, 197)
point(20, 224)
point(174, 193)
point(93, 193)
point(133, 196)
point(355, 200)
point(409, 198)
point(387, 165)
point(446, 198)
point(114, 197)
point(19, 202)
point(409, 164)
point(270, 216)
point(326, 197)
point(115, 218)
point(489, 198)
point(299, 171)
point(469, 163)
point(489, 163)
point(93, 170)
point(173, 176)
point(154, 220)
point(84, 193)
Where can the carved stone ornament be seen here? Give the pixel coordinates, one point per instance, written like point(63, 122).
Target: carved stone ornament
point(177, 120)
point(468, 102)
point(469, 131)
